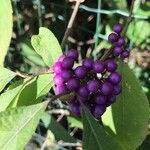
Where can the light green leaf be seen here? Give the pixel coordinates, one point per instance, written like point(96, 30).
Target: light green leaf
point(5, 77)
point(18, 124)
point(128, 117)
point(94, 136)
point(8, 96)
point(6, 24)
point(46, 45)
point(75, 122)
point(34, 90)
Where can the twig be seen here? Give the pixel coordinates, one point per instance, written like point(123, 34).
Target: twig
point(71, 22)
point(65, 144)
point(109, 51)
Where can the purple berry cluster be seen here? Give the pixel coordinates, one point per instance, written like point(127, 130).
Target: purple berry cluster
point(118, 42)
point(95, 83)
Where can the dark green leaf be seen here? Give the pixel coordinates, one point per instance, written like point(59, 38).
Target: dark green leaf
point(94, 136)
point(128, 117)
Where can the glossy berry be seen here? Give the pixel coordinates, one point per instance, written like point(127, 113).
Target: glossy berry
point(73, 84)
point(72, 54)
point(58, 80)
point(83, 92)
point(106, 88)
point(111, 65)
point(67, 74)
point(98, 66)
point(113, 37)
point(117, 50)
point(61, 58)
point(117, 28)
point(88, 63)
point(121, 42)
point(75, 109)
point(110, 100)
point(100, 99)
point(99, 110)
point(67, 63)
point(114, 78)
point(117, 89)
point(57, 68)
point(59, 89)
point(125, 54)
point(93, 85)
point(80, 72)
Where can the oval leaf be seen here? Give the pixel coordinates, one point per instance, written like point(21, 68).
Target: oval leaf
point(18, 124)
point(5, 28)
point(5, 77)
point(94, 136)
point(128, 117)
point(46, 45)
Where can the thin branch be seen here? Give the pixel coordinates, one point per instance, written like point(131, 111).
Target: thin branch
point(71, 22)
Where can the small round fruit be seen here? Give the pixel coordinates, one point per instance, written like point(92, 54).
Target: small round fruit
point(125, 54)
point(75, 109)
point(117, 28)
point(113, 37)
point(98, 66)
point(99, 110)
point(117, 89)
point(67, 74)
point(100, 99)
point(73, 84)
point(57, 68)
point(93, 85)
point(117, 50)
point(111, 65)
point(58, 80)
point(72, 53)
point(61, 58)
point(60, 89)
point(67, 63)
point(80, 72)
point(106, 88)
point(83, 92)
point(121, 42)
point(114, 78)
point(110, 100)
point(88, 63)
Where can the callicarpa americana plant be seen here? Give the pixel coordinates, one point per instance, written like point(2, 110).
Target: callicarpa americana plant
point(96, 84)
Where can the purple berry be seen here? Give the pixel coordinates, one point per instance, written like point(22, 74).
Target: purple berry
point(88, 63)
point(113, 37)
point(61, 58)
point(73, 84)
point(67, 63)
point(117, 28)
point(121, 42)
point(99, 110)
point(72, 54)
point(100, 99)
point(93, 85)
point(111, 65)
point(106, 88)
point(125, 54)
point(58, 80)
point(57, 68)
point(67, 74)
point(75, 109)
point(83, 92)
point(110, 100)
point(98, 66)
point(80, 72)
point(117, 89)
point(60, 89)
point(117, 50)
point(114, 78)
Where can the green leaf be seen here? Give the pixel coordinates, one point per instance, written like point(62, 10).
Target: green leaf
point(6, 24)
point(34, 90)
point(75, 122)
point(94, 136)
point(8, 96)
point(59, 132)
point(18, 124)
point(134, 32)
point(128, 117)
point(30, 54)
point(5, 77)
point(46, 45)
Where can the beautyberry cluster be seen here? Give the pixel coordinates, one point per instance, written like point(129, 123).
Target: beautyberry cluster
point(118, 42)
point(95, 83)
